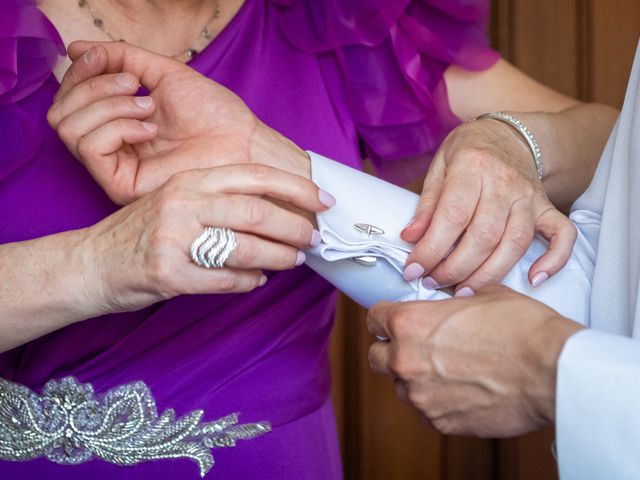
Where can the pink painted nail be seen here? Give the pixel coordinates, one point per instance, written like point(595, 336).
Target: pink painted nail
point(263, 280)
point(315, 238)
point(412, 271)
point(410, 224)
point(539, 278)
point(143, 102)
point(465, 292)
point(430, 284)
point(90, 56)
point(300, 259)
point(124, 80)
point(326, 199)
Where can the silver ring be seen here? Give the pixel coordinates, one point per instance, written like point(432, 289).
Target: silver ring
point(213, 247)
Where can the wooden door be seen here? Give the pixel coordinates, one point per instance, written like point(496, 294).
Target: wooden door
point(583, 48)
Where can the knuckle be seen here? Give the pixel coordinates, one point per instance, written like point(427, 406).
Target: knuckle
point(246, 253)
point(85, 148)
point(121, 125)
point(444, 425)
point(520, 238)
point(486, 235)
point(259, 173)
point(507, 175)
point(448, 273)
point(399, 365)
point(373, 356)
point(482, 278)
point(417, 398)
point(170, 203)
point(399, 323)
point(65, 131)
point(52, 115)
point(255, 212)
point(456, 215)
point(302, 233)
point(227, 281)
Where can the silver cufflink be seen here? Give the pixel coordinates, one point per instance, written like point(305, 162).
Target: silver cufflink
point(369, 231)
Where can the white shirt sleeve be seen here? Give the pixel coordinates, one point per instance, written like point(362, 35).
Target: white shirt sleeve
point(363, 255)
point(598, 433)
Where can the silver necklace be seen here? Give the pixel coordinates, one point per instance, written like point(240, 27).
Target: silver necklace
point(185, 55)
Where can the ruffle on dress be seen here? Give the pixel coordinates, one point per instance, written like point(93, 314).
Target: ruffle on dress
point(29, 49)
point(391, 56)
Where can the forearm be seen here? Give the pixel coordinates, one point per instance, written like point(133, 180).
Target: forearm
point(571, 142)
point(41, 287)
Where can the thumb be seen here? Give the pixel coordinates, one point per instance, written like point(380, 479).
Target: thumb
point(149, 67)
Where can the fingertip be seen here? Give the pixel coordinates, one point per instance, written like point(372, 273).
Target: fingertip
point(326, 198)
point(539, 278)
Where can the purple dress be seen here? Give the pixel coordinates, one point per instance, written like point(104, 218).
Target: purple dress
point(344, 78)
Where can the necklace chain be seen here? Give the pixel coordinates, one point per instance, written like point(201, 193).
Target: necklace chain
point(184, 55)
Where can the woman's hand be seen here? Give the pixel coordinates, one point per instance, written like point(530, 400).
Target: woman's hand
point(483, 366)
point(482, 196)
point(132, 145)
point(140, 254)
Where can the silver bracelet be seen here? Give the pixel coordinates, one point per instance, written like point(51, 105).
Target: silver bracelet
point(522, 129)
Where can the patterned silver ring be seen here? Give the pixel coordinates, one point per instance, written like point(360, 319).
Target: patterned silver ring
point(213, 247)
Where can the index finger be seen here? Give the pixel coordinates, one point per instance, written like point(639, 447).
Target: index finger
point(377, 318)
point(147, 66)
point(453, 214)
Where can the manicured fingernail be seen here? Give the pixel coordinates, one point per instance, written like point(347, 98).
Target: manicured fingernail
point(90, 56)
point(315, 238)
point(124, 80)
point(412, 271)
point(382, 339)
point(143, 102)
point(149, 126)
point(465, 292)
point(263, 280)
point(430, 284)
point(326, 199)
point(410, 224)
point(539, 278)
point(300, 259)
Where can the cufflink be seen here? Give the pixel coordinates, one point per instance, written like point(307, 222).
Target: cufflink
point(369, 231)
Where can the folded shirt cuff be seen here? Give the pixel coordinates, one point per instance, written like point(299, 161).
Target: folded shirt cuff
point(362, 254)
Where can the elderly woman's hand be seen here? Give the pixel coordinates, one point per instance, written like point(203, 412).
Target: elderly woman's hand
point(481, 205)
point(140, 254)
point(132, 145)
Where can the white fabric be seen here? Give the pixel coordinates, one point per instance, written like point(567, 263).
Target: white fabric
point(597, 414)
point(598, 419)
point(362, 198)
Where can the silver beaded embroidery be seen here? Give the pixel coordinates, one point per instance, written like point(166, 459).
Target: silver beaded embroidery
point(68, 424)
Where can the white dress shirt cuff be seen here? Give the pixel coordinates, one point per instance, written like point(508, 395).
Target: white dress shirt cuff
point(363, 255)
point(598, 395)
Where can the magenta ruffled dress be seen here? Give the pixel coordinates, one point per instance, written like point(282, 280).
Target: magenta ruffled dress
point(345, 78)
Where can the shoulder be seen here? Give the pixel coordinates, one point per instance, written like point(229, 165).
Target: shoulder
point(29, 49)
point(390, 57)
